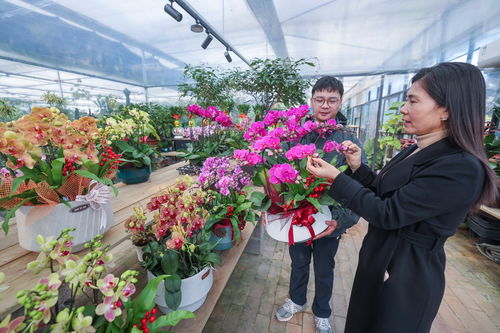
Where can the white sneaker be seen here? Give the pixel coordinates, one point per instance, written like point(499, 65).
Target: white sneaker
point(323, 325)
point(287, 310)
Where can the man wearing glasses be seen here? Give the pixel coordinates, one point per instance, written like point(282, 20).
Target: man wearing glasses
point(326, 102)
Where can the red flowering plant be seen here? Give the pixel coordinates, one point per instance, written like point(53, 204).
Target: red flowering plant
point(94, 299)
point(279, 157)
point(227, 200)
point(50, 159)
point(181, 247)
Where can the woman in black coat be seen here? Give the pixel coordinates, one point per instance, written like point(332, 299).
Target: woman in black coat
point(416, 201)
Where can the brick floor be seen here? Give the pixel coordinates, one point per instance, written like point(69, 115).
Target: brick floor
point(259, 285)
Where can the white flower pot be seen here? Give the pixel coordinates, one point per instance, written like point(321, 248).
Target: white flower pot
point(194, 291)
point(50, 220)
point(277, 226)
point(139, 250)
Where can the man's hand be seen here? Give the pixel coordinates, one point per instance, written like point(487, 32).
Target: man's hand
point(332, 225)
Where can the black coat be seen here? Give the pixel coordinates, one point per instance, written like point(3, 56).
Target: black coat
point(412, 206)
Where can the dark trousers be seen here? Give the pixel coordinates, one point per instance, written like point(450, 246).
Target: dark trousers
point(323, 252)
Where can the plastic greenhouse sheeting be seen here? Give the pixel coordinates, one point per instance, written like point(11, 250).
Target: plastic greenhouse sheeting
point(136, 44)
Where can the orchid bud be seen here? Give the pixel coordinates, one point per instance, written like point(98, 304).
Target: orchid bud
point(10, 135)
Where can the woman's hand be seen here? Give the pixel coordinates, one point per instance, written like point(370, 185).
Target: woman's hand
point(320, 168)
point(352, 155)
point(332, 225)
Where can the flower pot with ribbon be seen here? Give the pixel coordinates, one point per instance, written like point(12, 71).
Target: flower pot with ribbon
point(297, 225)
point(89, 214)
point(223, 233)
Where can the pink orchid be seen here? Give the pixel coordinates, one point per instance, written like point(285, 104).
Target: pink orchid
point(299, 112)
point(272, 117)
point(278, 132)
point(300, 151)
point(109, 309)
point(333, 146)
point(128, 290)
point(256, 130)
point(282, 173)
point(266, 142)
point(107, 285)
point(310, 126)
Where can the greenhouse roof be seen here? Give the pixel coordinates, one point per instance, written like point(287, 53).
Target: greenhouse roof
point(105, 46)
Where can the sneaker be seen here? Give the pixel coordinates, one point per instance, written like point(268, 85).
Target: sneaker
point(286, 312)
point(322, 325)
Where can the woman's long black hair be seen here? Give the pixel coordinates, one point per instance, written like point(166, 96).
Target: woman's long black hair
point(460, 88)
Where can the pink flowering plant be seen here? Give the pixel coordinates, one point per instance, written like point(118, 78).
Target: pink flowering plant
point(217, 134)
point(227, 200)
point(85, 280)
point(181, 247)
point(277, 152)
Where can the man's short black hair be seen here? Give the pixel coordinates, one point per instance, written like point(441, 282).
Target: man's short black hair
point(328, 83)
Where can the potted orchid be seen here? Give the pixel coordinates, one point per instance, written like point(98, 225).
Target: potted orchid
point(127, 132)
point(111, 308)
point(291, 195)
point(181, 249)
point(227, 201)
point(141, 233)
point(55, 176)
point(217, 135)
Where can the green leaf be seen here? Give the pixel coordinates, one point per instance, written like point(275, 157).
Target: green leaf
point(213, 258)
point(173, 283)
point(170, 261)
point(243, 207)
point(326, 200)
point(170, 319)
point(146, 299)
point(256, 197)
point(104, 180)
point(173, 300)
point(16, 183)
point(315, 202)
point(5, 223)
point(299, 197)
point(57, 165)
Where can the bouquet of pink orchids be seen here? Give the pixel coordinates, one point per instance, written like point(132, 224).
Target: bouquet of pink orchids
point(279, 154)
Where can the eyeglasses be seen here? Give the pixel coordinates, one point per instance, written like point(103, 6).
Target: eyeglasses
point(331, 102)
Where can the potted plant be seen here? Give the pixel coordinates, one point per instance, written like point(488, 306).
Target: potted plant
point(55, 176)
point(218, 135)
point(291, 196)
point(182, 249)
point(111, 308)
point(125, 131)
point(140, 232)
point(227, 202)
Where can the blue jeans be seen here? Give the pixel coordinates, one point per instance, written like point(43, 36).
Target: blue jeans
point(323, 252)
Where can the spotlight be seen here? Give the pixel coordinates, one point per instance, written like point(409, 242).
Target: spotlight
point(228, 56)
point(197, 27)
point(207, 41)
point(170, 10)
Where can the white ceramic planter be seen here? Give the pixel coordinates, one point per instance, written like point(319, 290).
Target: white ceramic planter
point(194, 291)
point(277, 226)
point(51, 220)
point(139, 250)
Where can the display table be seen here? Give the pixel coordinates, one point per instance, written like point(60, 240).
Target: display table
point(13, 258)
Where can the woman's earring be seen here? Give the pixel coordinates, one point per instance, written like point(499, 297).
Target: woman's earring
point(444, 119)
